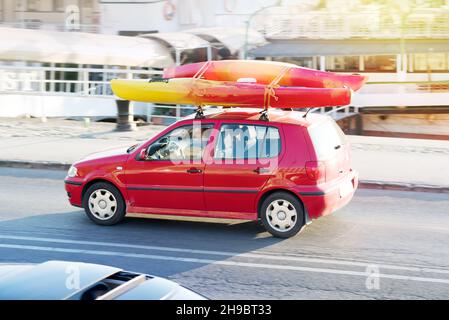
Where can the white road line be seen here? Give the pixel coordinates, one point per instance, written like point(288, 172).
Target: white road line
point(232, 254)
point(221, 262)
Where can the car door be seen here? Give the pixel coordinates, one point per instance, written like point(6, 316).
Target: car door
point(170, 177)
point(244, 158)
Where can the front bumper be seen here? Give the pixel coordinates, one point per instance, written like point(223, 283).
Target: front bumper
point(327, 198)
point(74, 188)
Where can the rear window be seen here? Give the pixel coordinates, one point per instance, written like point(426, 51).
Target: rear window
point(326, 137)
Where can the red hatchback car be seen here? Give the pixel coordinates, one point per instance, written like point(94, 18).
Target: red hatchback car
point(229, 164)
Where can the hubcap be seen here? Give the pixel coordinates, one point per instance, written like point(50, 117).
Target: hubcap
point(102, 204)
point(281, 215)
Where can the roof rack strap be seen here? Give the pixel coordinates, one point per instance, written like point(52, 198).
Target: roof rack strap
point(202, 70)
point(270, 88)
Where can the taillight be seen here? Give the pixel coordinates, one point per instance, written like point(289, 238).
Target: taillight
point(316, 170)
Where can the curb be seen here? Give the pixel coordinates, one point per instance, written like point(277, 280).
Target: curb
point(402, 186)
point(363, 184)
point(34, 165)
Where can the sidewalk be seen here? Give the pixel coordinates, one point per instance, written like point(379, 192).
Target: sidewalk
point(391, 163)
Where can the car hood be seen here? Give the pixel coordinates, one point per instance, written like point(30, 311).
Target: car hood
point(48, 280)
point(106, 153)
point(160, 289)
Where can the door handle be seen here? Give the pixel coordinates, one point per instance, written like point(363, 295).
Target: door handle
point(194, 170)
point(260, 170)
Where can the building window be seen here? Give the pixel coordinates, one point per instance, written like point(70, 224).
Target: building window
point(385, 63)
point(307, 62)
point(424, 62)
point(343, 63)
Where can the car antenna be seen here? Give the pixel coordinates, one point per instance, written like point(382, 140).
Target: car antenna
point(307, 112)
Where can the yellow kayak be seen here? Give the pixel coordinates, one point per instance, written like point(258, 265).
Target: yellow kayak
point(192, 91)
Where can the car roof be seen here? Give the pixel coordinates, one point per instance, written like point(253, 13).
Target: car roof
point(253, 114)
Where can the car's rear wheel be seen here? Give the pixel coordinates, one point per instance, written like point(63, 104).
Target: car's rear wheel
point(282, 214)
point(104, 204)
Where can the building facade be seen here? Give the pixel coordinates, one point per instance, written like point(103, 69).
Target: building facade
point(58, 15)
point(403, 46)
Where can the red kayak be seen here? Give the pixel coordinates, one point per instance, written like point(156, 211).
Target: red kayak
point(264, 72)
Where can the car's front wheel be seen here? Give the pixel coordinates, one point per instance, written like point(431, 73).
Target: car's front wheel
point(104, 204)
point(282, 214)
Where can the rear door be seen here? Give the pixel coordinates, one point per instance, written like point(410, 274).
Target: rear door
point(242, 161)
point(332, 148)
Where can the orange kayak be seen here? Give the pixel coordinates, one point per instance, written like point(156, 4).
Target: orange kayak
point(191, 91)
point(264, 72)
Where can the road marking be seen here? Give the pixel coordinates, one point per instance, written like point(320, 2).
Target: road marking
point(273, 256)
point(223, 262)
point(276, 257)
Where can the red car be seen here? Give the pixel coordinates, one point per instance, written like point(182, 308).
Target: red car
point(229, 164)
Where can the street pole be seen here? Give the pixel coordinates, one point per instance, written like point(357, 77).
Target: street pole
point(245, 47)
point(402, 45)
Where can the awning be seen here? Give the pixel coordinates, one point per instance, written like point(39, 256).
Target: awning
point(82, 48)
point(178, 40)
point(232, 38)
point(309, 48)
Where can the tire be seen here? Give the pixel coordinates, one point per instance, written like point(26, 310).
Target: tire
point(104, 204)
point(282, 205)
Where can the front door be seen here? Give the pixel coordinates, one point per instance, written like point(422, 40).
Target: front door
point(244, 159)
point(170, 177)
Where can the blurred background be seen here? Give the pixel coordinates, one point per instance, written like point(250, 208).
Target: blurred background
point(57, 56)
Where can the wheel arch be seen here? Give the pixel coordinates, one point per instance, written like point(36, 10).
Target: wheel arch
point(97, 180)
point(271, 191)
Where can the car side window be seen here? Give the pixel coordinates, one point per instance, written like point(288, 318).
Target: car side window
point(241, 141)
point(181, 144)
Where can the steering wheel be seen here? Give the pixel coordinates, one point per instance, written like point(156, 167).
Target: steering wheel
point(164, 152)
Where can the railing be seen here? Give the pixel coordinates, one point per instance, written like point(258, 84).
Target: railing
point(374, 24)
point(66, 81)
point(81, 82)
point(337, 113)
point(95, 83)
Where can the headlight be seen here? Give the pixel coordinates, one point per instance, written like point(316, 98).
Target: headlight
point(73, 171)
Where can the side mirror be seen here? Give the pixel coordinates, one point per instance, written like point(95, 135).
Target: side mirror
point(143, 154)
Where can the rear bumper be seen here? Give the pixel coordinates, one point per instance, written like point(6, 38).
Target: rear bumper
point(74, 190)
point(324, 199)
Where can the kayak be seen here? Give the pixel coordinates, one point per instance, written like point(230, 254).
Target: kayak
point(264, 72)
point(191, 91)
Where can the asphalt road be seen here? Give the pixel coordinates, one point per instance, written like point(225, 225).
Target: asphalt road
point(383, 245)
